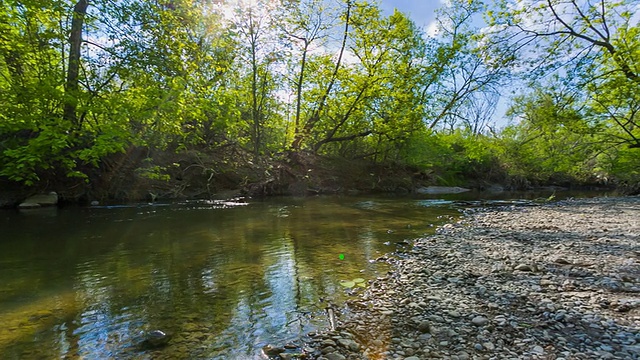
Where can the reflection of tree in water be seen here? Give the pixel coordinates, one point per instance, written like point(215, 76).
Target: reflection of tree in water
point(220, 281)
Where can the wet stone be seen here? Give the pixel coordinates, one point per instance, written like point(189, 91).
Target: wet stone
point(349, 344)
point(328, 342)
point(335, 356)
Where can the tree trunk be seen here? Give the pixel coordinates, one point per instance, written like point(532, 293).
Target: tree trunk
point(75, 40)
point(297, 137)
point(315, 116)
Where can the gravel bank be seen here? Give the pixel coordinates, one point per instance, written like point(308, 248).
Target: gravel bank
point(557, 281)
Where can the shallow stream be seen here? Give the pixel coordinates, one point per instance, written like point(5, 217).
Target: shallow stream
point(222, 278)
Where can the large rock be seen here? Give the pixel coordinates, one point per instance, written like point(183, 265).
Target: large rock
point(441, 190)
point(40, 200)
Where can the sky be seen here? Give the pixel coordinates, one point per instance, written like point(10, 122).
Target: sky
point(420, 11)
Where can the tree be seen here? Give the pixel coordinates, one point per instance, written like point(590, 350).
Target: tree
point(34, 134)
point(73, 69)
point(391, 75)
point(552, 139)
point(565, 31)
point(257, 65)
point(308, 24)
point(470, 87)
point(117, 74)
point(591, 50)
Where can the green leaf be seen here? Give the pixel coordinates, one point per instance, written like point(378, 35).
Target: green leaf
point(347, 283)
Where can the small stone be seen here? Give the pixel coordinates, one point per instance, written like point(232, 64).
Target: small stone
point(523, 267)
point(605, 355)
point(328, 349)
point(478, 347)
point(28, 205)
point(424, 327)
point(328, 342)
point(562, 261)
point(36, 201)
point(489, 346)
point(412, 358)
point(272, 351)
point(349, 344)
point(537, 350)
point(480, 321)
point(335, 356)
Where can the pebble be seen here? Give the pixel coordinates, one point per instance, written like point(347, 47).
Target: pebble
point(537, 350)
point(424, 326)
point(480, 321)
point(489, 346)
point(335, 356)
point(523, 267)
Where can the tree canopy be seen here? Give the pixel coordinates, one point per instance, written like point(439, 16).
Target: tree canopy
point(81, 81)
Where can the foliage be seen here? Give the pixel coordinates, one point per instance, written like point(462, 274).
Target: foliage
point(339, 79)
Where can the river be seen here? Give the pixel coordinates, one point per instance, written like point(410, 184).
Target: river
point(223, 278)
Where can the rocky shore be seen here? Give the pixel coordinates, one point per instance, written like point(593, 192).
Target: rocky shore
point(555, 281)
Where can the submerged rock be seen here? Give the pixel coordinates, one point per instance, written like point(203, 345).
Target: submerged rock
point(441, 190)
point(154, 339)
point(272, 351)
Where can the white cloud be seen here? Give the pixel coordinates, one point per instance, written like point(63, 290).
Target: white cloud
point(433, 29)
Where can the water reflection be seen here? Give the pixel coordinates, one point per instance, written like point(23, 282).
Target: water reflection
point(222, 279)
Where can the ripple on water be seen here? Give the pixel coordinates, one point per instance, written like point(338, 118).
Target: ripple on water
point(224, 279)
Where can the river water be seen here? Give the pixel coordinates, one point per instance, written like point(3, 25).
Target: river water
point(223, 278)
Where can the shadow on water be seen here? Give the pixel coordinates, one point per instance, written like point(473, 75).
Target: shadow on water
point(223, 278)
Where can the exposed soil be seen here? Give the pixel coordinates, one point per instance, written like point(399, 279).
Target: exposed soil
point(141, 174)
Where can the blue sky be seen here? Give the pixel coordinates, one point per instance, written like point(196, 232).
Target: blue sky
point(420, 11)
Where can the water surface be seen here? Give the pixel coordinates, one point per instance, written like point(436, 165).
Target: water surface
point(224, 278)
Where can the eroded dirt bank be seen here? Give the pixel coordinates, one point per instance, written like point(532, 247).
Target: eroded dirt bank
point(557, 281)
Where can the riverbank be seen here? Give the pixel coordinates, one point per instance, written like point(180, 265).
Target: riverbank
point(557, 281)
point(145, 175)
